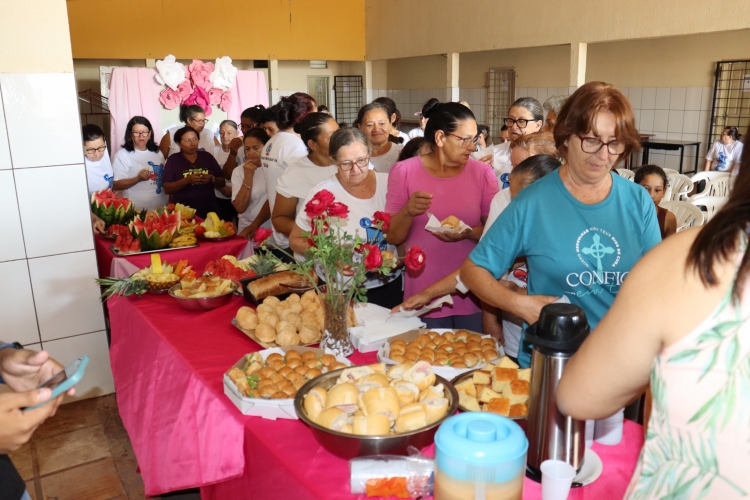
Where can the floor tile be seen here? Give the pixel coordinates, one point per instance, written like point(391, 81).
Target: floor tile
point(70, 417)
point(31, 490)
point(93, 481)
point(71, 449)
point(21, 458)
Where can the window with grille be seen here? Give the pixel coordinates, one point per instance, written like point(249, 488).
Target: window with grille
point(501, 90)
point(731, 103)
point(348, 92)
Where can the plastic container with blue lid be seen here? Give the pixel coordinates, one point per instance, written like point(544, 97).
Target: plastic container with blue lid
point(479, 456)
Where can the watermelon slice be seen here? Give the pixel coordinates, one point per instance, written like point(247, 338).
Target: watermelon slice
point(112, 210)
point(155, 230)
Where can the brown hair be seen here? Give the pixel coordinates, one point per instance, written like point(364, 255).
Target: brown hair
point(718, 240)
point(538, 143)
point(579, 112)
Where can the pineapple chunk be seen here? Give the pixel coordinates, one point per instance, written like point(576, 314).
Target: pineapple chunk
point(156, 267)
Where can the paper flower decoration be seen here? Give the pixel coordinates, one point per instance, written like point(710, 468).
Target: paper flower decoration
point(226, 101)
point(170, 72)
point(214, 95)
point(169, 98)
point(224, 73)
point(185, 89)
point(199, 97)
point(200, 73)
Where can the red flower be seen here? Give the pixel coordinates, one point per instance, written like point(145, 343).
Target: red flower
point(314, 232)
point(414, 259)
point(383, 219)
point(319, 203)
point(373, 258)
point(261, 235)
point(337, 209)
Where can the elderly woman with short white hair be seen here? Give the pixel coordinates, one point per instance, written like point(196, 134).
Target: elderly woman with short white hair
point(552, 106)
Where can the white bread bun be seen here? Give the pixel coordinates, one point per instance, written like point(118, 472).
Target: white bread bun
point(354, 373)
point(406, 391)
point(420, 374)
point(452, 222)
point(397, 371)
point(412, 417)
point(378, 367)
point(315, 402)
point(434, 391)
point(342, 394)
point(383, 400)
point(372, 425)
point(265, 333)
point(374, 378)
point(333, 418)
point(363, 388)
point(435, 408)
point(247, 318)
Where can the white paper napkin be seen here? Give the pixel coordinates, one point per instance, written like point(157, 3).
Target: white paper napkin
point(433, 226)
point(371, 314)
point(384, 331)
point(488, 151)
point(445, 299)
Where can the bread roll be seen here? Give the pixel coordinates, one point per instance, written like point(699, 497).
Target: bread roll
point(265, 333)
point(383, 401)
point(309, 333)
point(263, 288)
point(372, 425)
point(406, 391)
point(333, 418)
point(452, 222)
point(434, 391)
point(247, 318)
point(287, 337)
point(420, 374)
point(342, 394)
point(236, 374)
point(315, 402)
point(354, 373)
point(376, 378)
point(435, 408)
point(397, 371)
point(411, 418)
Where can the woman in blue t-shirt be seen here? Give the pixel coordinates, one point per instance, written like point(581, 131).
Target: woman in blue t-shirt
point(581, 228)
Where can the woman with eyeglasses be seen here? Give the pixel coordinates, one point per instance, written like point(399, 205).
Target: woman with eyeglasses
point(725, 154)
point(228, 155)
point(192, 175)
point(364, 191)
point(445, 182)
point(249, 195)
point(98, 167)
point(139, 166)
point(374, 120)
point(525, 116)
point(194, 117)
point(581, 228)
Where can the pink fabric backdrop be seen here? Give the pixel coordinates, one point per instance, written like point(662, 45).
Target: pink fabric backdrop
point(132, 92)
point(250, 89)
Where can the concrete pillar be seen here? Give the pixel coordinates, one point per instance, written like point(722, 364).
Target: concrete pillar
point(368, 82)
point(577, 64)
point(452, 76)
point(273, 81)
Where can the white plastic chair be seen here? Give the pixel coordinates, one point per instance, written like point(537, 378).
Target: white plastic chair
point(627, 174)
point(679, 187)
point(670, 171)
point(705, 177)
point(718, 186)
point(712, 203)
point(687, 214)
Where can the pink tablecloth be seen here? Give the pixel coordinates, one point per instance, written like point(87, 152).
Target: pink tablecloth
point(110, 264)
point(168, 365)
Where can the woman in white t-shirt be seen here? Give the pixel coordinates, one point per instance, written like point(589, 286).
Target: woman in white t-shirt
point(285, 147)
point(363, 191)
point(395, 120)
point(98, 167)
point(374, 121)
point(195, 117)
point(228, 155)
point(295, 183)
point(725, 154)
point(139, 166)
point(249, 186)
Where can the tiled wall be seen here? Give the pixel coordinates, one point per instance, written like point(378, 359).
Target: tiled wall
point(48, 297)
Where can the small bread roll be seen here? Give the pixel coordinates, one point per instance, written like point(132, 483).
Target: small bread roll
point(268, 318)
point(266, 372)
point(471, 359)
point(309, 333)
point(434, 391)
point(342, 394)
point(383, 400)
point(420, 374)
point(285, 371)
point(293, 376)
point(411, 418)
point(293, 298)
point(372, 425)
point(375, 378)
point(312, 373)
point(334, 366)
point(452, 222)
point(265, 332)
point(398, 358)
point(397, 371)
point(293, 363)
point(285, 325)
point(310, 295)
point(332, 418)
point(354, 373)
point(406, 391)
point(236, 374)
point(327, 359)
point(378, 367)
point(435, 409)
point(309, 355)
point(247, 318)
point(267, 391)
point(287, 337)
point(272, 301)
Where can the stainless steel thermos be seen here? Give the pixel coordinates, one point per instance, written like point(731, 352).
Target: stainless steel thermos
point(557, 335)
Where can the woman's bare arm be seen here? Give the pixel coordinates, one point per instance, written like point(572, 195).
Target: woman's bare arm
point(283, 214)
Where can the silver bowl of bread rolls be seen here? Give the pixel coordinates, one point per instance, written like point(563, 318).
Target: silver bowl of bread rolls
point(204, 293)
point(375, 409)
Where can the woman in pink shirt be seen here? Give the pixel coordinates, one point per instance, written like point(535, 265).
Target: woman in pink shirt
point(444, 182)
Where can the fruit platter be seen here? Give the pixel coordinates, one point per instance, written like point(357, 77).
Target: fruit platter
point(152, 231)
point(110, 208)
point(157, 278)
point(214, 229)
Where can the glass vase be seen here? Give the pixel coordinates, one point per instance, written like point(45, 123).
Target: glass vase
point(336, 336)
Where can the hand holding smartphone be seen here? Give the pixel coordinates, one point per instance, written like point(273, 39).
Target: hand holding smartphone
point(63, 380)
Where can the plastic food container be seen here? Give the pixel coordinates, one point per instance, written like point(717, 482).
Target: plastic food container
point(479, 456)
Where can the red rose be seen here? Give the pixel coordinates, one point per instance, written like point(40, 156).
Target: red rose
point(319, 203)
point(414, 259)
point(337, 209)
point(373, 258)
point(261, 235)
point(383, 219)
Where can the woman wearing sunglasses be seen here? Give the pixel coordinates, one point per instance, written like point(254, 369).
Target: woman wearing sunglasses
point(445, 182)
point(194, 117)
point(363, 190)
point(581, 228)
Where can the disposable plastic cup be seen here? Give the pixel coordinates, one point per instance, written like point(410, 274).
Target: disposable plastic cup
point(608, 431)
point(557, 476)
point(590, 425)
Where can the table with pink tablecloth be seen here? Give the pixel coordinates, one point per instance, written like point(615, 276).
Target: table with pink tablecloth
point(168, 365)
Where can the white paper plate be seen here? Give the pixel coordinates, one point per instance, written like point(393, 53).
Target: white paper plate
point(591, 470)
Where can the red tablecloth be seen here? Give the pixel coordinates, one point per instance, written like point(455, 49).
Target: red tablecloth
point(168, 365)
point(198, 256)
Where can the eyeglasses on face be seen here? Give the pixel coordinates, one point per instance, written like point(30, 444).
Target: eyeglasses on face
point(465, 141)
point(521, 122)
point(592, 145)
point(202, 122)
point(100, 149)
point(361, 163)
point(142, 133)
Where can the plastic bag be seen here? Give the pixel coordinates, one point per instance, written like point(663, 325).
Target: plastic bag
point(391, 475)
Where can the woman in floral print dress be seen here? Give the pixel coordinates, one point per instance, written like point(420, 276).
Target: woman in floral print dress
point(682, 322)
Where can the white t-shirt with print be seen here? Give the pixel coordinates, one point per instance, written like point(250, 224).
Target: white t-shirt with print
point(206, 141)
point(221, 158)
point(501, 164)
point(257, 195)
point(416, 132)
point(383, 163)
point(147, 194)
point(360, 217)
point(300, 178)
point(499, 203)
point(279, 152)
point(725, 155)
point(99, 173)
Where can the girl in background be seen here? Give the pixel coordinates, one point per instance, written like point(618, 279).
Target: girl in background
point(654, 179)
